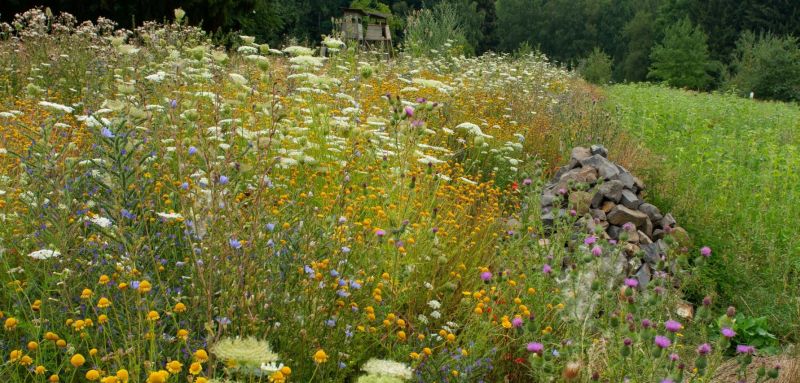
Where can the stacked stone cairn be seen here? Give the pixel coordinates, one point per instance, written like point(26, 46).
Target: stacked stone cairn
point(606, 199)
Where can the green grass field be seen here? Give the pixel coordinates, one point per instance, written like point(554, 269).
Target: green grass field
point(729, 168)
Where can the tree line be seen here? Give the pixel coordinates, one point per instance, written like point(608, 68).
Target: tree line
point(698, 44)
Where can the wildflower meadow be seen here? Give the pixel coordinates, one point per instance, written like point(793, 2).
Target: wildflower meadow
point(172, 210)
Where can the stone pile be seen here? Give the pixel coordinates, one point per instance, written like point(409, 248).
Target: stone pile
point(606, 199)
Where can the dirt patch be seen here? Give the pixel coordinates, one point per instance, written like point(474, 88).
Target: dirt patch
point(789, 369)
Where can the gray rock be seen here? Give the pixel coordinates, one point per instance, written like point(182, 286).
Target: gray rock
point(607, 206)
point(598, 214)
point(547, 198)
point(651, 211)
point(580, 200)
point(630, 200)
point(627, 179)
point(600, 150)
point(605, 168)
point(621, 215)
point(560, 172)
point(638, 183)
point(611, 190)
point(658, 234)
point(614, 231)
point(580, 153)
point(548, 219)
point(652, 253)
point(643, 238)
point(586, 174)
point(643, 275)
point(668, 220)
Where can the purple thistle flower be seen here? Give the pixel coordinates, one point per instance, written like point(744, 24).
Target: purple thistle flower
point(409, 111)
point(527, 182)
point(662, 341)
point(628, 226)
point(745, 349)
point(547, 269)
point(631, 282)
point(705, 251)
point(627, 342)
point(516, 322)
point(597, 251)
point(486, 276)
point(728, 332)
point(535, 347)
point(667, 380)
point(380, 233)
point(674, 357)
point(646, 323)
point(590, 240)
point(704, 349)
point(673, 326)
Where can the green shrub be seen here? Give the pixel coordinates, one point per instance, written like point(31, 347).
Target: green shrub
point(596, 68)
point(435, 30)
point(768, 66)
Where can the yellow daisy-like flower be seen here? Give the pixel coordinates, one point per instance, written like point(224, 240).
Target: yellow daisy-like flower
point(160, 376)
point(174, 367)
point(153, 316)
point(201, 355)
point(320, 356)
point(179, 307)
point(103, 303)
point(77, 360)
point(92, 375)
point(195, 368)
point(122, 374)
point(145, 287)
point(86, 294)
point(10, 323)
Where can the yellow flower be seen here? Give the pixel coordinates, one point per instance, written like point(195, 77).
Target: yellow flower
point(286, 370)
point(174, 367)
point(14, 355)
point(201, 380)
point(109, 379)
point(103, 303)
point(104, 279)
point(183, 334)
point(26, 361)
point(145, 286)
point(201, 355)
point(414, 355)
point(179, 307)
point(160, 376)
point(122, 374)
point(427, 351)
point(11, 323)
point(32, 346)
point(277, 377)
point(92, 375)
point(86, 294)
point(36, 305)
point(195, 368)
point(53, 378)
point(77, 360)
point(320, 356)
point(93, 352)
point(51, 336)
point(61, 343)
point(102, 319)
point(153, 316)
point(40, 370)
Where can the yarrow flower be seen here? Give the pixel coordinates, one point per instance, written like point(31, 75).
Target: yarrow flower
point(389, 368)
point(44, 254)
point(248, 351)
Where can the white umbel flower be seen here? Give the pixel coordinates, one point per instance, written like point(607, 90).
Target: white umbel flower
point(387, 368)
point(45, 254)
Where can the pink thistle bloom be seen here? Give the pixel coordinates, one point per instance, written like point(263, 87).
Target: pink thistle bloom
point(673, 326)
point(705, 251)
point(662, 341)
point(597, 251)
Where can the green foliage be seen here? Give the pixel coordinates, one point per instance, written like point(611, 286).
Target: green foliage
point(681, 59)
point(750, 331)
point(725, 167)
point(371, 5)
point(439, 29)
point(639, 34)
point(596, 68)
point(768, 66)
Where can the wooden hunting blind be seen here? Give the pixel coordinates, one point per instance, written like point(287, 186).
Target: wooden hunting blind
point(369, 28)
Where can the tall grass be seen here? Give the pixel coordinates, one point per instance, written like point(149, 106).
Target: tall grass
point(728, 167)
